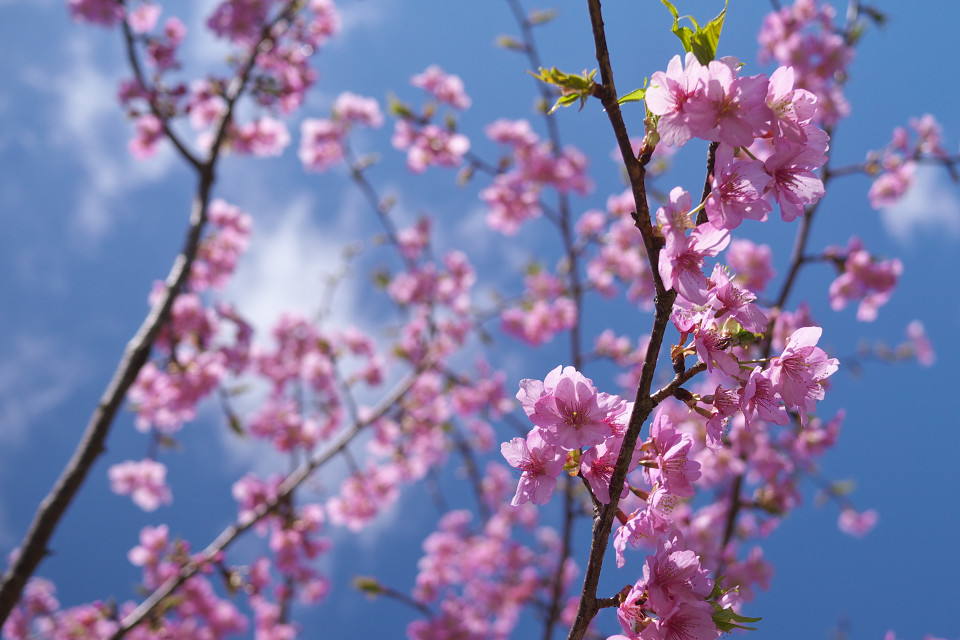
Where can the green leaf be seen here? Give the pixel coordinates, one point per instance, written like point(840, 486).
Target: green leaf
point(368, 585)
point(704, 42)
point(541, 16)
point(673, 11)
point(572, 87)
point(236, 425)
point(701, 41)
point(511, 43)
point(572, 464)
point(634, 96)
point(727, 620)
point(398, 109)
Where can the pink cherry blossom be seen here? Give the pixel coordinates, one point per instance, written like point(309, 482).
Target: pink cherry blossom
point(684, 621)
point(730, 109)
point(321, 144)
point(148, 135)
point(857, 523)
point(351, 108)
point(737, 190)
point(752, 264)
point(445, 87)
point(799, 372)
point(712, 348)
point(144, 481)
point(572, 414)
point(682, 259)
point(794, 182)
point(263, 137)
point(106, 13)
point(863, 278)
point(540, 463)
point(429, 145)
point(758, 398)
point(922, 347)
point(792, 108)
point(726, 297)
point(668, 96)
point(675, 471)
point(674, 218)
point(674, 575)
point(144, 18)
point(598, 463)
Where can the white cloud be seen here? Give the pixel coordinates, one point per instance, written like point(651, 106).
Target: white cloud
point(89, 122)
point(285, 270)
point(363, 15)
point(35, 378)
point(287, 267)
point(932, 204)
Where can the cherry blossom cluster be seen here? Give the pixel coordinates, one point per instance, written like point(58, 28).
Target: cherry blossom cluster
point(197, 611)
point(724, 457)
point(293, 532)
point(280, 78)
point(322, 140)
point(803, 35)
point(546, 310)
point(200, 346)
point(895, 165)
point(862, 278)
point(515, 195)
point(674, 589)
point(570, 414)
point(426, 142)
point(619, 257)
point(481, 578)
point(715, 103)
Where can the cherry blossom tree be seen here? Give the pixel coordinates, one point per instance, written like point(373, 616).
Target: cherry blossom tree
point(681, 445)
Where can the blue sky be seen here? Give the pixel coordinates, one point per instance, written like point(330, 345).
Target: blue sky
point(86, 231)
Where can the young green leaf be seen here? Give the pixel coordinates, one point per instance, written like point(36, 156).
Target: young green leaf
point(572, 87)
point(704, 41)
point(634, 96)
point(701, 41)
point(727, 620)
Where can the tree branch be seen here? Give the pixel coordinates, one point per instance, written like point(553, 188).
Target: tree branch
point(286, 488)
point(33, 548)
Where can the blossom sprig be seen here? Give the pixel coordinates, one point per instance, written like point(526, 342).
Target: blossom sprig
point(426, 142)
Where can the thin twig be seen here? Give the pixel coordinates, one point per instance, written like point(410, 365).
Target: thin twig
point(286, 488)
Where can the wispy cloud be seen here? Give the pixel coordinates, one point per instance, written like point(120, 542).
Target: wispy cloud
point(35, 378)
point(89, 124)
point(931, 205)
point(286, 270)
point(288, 266)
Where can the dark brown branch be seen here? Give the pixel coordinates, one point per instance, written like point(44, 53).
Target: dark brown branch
point(33, 548)
point(644, 403)
point(154, 109)
point(708, 181)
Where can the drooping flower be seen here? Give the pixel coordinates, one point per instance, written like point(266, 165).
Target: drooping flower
point(737, 190)
point(798, 373)
point(675, 471)
point(674, 575)
point(540, 462)
point(726, 297)
point(682, 258)
point(758, 398)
